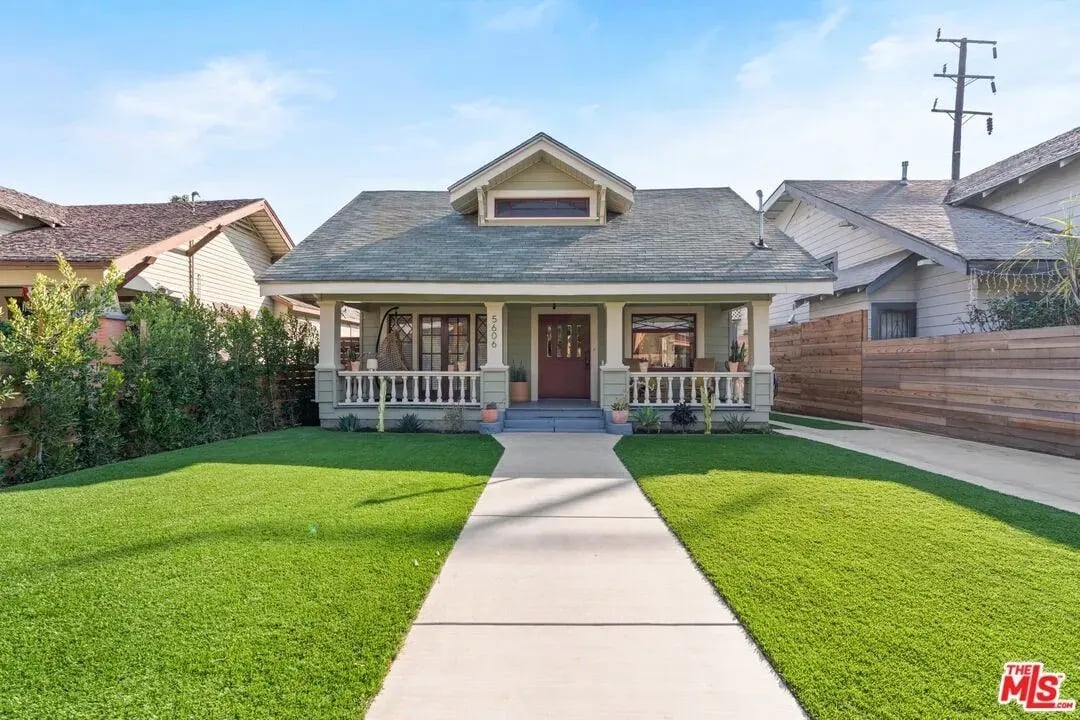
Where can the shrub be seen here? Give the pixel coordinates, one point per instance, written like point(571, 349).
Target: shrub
point(682, 417)
point(70, 416)
point(1019, 313)
point(735, 424)
point(349, 423)
point(410, 423)
point(647, 418)
point(454, 419)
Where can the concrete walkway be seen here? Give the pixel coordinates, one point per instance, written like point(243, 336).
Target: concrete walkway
point(567, 597)
point(1046, 479)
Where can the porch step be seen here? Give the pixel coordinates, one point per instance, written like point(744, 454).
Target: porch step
point(541, 419)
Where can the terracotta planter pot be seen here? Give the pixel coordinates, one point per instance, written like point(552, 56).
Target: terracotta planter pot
point(733, 367)
point(519, 391)
point(489, 416)
point(354, 365)
point(619, 417)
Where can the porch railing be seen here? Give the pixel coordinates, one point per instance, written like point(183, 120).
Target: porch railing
point(730, 389)
point(410, 387)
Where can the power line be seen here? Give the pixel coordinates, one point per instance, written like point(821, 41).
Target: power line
point(962, 79)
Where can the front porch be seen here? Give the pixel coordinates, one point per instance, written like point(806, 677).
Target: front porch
point(430, 356)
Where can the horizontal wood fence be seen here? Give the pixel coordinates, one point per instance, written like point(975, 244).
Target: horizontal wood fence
point(10, 440)
point(1019, 388)
point(819, 366)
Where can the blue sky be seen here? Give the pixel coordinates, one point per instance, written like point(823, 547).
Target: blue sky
point(307, 106)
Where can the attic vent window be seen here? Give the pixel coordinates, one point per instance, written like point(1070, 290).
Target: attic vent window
point(577, 207)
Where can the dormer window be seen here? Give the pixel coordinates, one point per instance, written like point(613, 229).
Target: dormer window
point(535, 207)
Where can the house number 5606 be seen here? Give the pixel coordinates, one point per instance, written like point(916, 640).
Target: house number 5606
point(493, 330)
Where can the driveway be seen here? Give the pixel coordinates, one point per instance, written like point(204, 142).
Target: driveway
point(567, 597)
point(1047, 479)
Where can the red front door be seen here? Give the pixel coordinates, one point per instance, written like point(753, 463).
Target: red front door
point(564, 356)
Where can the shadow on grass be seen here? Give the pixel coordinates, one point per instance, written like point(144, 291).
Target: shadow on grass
point(407, 534)
point(698, 455)
point(303, 448)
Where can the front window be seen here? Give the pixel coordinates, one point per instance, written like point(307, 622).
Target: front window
point(542, 207)
point(444, 341)
point(665, 341)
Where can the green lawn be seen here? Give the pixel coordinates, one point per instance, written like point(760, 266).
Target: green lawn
point(878, 590)
point(268, 576)
point(813, 422)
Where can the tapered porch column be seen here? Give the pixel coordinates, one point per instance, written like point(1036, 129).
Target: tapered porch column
point(761, 382)
point(494, 374)
point(614, 374)
point(327, 383)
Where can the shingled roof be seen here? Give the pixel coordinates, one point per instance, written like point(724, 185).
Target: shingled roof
point(1035, 158)
point(22, 205)
point(99, 234)
point(918, 211)
point(684, 235)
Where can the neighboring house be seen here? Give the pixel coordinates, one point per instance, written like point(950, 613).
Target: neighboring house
point(545, 260)
point(917, 253)
point(213, 249)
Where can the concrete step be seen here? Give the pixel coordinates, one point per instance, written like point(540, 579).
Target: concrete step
point(554, 413)
point(583, 424)
point(520, 423)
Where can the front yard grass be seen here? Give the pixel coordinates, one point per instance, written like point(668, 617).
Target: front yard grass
point(876, 589)
point(267, 576)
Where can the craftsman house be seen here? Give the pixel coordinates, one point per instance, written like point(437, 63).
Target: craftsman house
point(211, 249)
point(917, 253)
point(545, 265)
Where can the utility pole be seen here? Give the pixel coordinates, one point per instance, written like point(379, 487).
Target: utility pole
point(962, 79)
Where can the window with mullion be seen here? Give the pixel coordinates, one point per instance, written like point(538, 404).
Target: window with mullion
point(444, 340)
point(665, 341)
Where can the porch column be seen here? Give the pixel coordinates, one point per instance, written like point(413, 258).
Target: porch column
point(327, 383)
point(494, 374)
point(761, 381)
point(614, 374)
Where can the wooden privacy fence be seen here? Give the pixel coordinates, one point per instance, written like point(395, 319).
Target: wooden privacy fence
point(10, 439)
point(1019, 388)
point(819, 366)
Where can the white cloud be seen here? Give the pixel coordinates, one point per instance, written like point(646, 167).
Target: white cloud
point(237, 101)
point(522, 17)
point(798, 40)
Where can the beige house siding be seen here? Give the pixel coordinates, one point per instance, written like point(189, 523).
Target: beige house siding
point(541, 176)
point(225, 270)
point(717, 326)
point(838, 305)
point(1039, 198)
point(822, 235)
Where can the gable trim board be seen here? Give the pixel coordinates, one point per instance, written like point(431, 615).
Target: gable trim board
point(540, 147)
point(899, 237)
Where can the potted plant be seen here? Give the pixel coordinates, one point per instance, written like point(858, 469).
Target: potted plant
point(490, 413)
point(620, 411)
point(736, 355)
point(519, 384)
point(353, 356)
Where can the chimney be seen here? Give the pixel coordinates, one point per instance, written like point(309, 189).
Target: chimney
point(903, 172)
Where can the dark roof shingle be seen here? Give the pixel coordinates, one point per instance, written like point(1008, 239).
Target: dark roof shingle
point(1034, 158)
point(102, 233)
point(19, 203)
point(919, 210)
point(684, 235)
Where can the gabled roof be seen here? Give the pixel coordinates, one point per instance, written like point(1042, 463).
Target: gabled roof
point(540, 146)
point(870, 276)
point(1057, 150)
point(22, 205)
point(915, 217)
point(125, 234)
point(684, 235)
